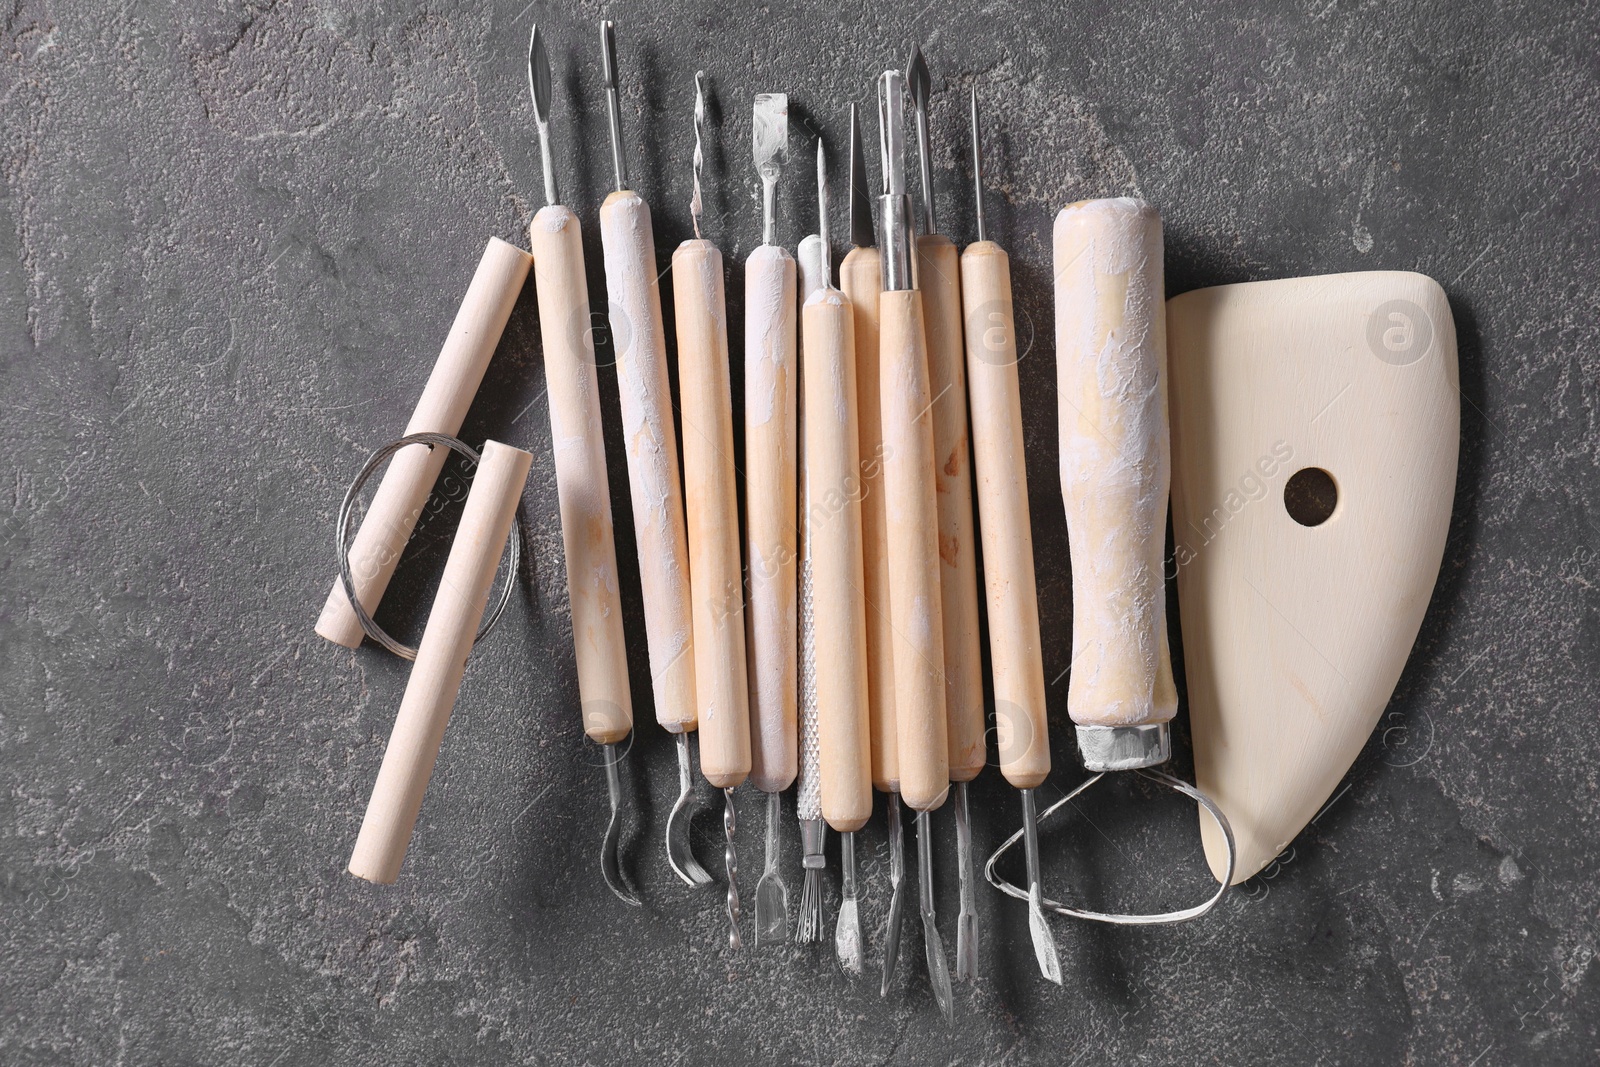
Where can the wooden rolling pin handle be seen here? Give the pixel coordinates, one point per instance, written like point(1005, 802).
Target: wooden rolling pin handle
point(913, 532)
point(581, 485)
point(441, 660)
point(406, 485)
point(651, 440)
point(1115, 463)
point(721, 683)
point(770, 515)
point(833, 524)
point(1001, 473)
point(861, 279)
point(939, 278)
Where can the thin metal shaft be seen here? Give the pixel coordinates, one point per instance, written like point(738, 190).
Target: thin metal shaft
point(967, 920)
point(897, 892)
point(610, 848)
point(1044, 942)
point(847, 934)
point(730, 860)
point(822, 213)
point(896, 229)
point(608, 50)
point(933, 945)
point(920, 84)
point(539, 89)
point(977, 167)
point(697, 205)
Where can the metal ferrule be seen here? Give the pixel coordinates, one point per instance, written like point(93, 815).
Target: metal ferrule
point(897, 242)
point(1124, 748)
point(812, 834)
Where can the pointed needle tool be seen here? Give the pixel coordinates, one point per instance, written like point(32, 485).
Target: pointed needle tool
point(1002, 479)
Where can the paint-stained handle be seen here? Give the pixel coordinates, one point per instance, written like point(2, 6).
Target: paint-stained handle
point(770, 530)
point(715, 587)
point(1111, 385)
point(651, 443)
point(861, 278)
point(1001, 471)
point(403, 493)
point(913, 532)
point(833, 531)
point(441, 660)
point(581, 486)
point(939, 278)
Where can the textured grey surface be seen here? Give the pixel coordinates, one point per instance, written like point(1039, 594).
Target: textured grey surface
point(235, 237)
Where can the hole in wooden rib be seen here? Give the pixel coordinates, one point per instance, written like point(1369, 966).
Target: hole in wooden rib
point(1310, 495)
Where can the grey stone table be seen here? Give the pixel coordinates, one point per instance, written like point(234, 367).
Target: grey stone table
point(235, 236)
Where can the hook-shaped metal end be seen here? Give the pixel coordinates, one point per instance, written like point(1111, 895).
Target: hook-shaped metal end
point(679, 855)
point(610, 849)
point(608, 53)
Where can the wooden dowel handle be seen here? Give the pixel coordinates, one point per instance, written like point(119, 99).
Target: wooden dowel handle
point(833, 530)
point(1001, 471)
point(1111, 385)
point(913, 530)
point(651, 442)
point(861, 278)
point(441, 660)
point(403, 493)
point(715, 584)
point(581, 485)
point(769, 454)
point(939, 278)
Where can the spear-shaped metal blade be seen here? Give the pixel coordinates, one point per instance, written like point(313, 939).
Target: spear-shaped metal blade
point(861, 234)
point(539, 89)
point(920, 87)
point(918, 83)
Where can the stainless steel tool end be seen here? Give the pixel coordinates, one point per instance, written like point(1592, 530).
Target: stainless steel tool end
point(679, 855)
point(611, 847)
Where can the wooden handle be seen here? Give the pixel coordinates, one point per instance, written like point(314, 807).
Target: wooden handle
point(1001, 472)
point(715, 587)
point(581, 486)
point(861, 278)
point(833, 529)
point(441, 660)
point(769, 456)
point(939, 278)
point(913, 530)
point(651, 441)
point(1111, 384)
point(403, 493)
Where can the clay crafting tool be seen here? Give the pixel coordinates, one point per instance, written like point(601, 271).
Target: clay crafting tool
point(914, 581)
point(650, 438)
point(1001, 471)
point(770, 457)
point(861, 280)
point(580, 460)
point(836, 621)
point(815, 275)
point(1315, 437)
point(713, 513)
point(441, 661)
point(939, 279)
point(1111, 387)
point(403, 493)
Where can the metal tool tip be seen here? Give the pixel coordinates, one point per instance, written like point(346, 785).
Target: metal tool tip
point(539, 75)
point(917, 79)
point(608, 52)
